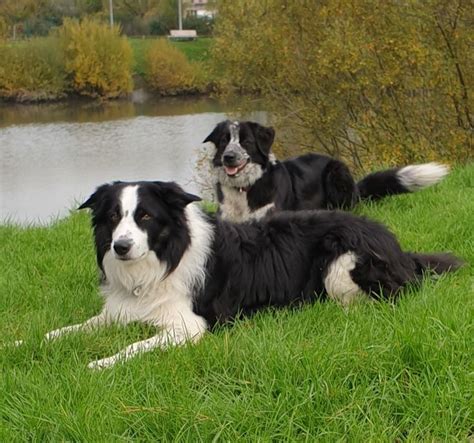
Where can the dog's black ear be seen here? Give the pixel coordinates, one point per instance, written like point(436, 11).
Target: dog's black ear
point(264, 135)
point(95, 198)
point(174, 195)
point(217, 132)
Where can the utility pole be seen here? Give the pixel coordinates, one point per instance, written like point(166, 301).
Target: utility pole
point(111, 13)
point(180, 15)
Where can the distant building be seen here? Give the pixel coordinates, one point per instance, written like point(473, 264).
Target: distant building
point(199, 8)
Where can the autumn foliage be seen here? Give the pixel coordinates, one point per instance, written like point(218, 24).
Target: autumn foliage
point(86, 58)
point(169, 72)
point(98, 60)
point(33, 71)
point(371, 82)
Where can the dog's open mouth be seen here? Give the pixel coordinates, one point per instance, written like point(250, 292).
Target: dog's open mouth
point(231, 171)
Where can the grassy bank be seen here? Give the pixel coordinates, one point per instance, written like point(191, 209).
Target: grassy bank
point(377, 372)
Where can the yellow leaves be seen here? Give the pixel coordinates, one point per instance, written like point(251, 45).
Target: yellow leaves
point(32, 70)
point(87, 57)
point(168, 71)
point(378, 70)
point(98, 59)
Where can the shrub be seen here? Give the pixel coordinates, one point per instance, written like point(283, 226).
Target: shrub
point(168, 72)
point(40, 26)
point(32, 70)
point(202, 25)
point(158, 27)
point(98, 59)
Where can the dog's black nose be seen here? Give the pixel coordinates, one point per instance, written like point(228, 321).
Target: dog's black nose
point(121, 247)
point(229, 158)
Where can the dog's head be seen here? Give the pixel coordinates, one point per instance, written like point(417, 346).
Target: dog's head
point(242, 151)
point(134, 220)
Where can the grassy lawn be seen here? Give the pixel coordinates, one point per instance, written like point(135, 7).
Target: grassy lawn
point(376, 372)
point(196, 50)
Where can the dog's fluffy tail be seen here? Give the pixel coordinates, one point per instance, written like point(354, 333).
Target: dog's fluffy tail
point(437, 263)
point(401, 180)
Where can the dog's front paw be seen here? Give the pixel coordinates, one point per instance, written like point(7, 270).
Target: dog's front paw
point(102, 363)
point(13, 344)
point(53, 334)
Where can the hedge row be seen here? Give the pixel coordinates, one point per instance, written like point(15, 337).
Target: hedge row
point(91, 59)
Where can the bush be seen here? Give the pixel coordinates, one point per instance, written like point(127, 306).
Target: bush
point(32, 70)
point(371, 82)
point(203, 25)
point(84, 57)
point(40, 26)
point(98, 59)
point(159, 27)
point(168, 72)
point(3, 28)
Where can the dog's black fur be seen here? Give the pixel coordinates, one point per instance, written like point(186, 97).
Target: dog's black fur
point(310, 181)
point(281, 260)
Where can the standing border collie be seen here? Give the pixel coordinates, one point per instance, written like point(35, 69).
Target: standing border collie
point(168, 264)
point(251, 183)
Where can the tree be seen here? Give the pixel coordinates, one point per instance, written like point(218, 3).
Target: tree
point(16, 11)
point(136, 16)
point(371, 82)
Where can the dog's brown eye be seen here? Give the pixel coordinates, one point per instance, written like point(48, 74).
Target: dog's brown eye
point(114, 217)
point(145, 217)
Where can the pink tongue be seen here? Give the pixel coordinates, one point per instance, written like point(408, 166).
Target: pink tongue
point(231, 170)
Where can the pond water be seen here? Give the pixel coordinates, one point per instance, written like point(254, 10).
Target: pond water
point(53, 156)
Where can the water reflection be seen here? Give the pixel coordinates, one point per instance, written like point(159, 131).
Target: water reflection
point(55, 155)
point(81, 111)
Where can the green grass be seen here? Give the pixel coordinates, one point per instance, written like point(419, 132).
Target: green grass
point(197, 50)
point(374, 372)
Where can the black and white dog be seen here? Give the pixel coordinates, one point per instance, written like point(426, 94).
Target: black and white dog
point(168, 264)
point(251, 183)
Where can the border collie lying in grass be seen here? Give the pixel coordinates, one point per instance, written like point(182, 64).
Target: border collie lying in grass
point(251, 183)
point(168, 264)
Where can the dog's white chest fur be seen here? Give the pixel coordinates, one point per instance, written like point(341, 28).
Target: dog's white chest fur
point(235, 207)
point(136, 292)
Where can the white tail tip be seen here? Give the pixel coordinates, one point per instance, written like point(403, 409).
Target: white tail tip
point(416, 177)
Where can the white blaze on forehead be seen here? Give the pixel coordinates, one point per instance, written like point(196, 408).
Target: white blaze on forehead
point(128, 205)
point(127, 229)
point(129, 200)
point(234, 133)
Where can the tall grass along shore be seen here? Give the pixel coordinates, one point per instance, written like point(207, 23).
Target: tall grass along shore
point(374, 372)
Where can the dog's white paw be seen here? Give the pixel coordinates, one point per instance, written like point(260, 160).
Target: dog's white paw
point(103, 363)
point(53, 334)
point(13, 344)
